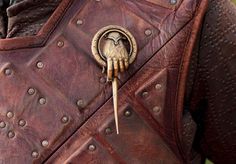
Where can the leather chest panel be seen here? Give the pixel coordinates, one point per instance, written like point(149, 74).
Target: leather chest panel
point(143, 133)
point(152, 95)
point(69, 73)
point(31, 115)
point(144, 144)
point(119, 15)
point(67, 69)
point(134, 150)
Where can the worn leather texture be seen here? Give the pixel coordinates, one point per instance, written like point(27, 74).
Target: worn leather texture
point(43, 77)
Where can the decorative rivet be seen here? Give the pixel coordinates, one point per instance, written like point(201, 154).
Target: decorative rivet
point(31, 91)
point(11, 134)
point(127, 113)
point(102, 80)
point(80, 103)
point(60, 43)
point(64, 119)
point(91, 147)
point(156, 109)
point(35, 154)
point(173, 2)
point(42, 101)
point(79, 22)
point(144, 94)
point(158, 86)
point(108, 130)
point(10, 114)
point(2, 124)
point(44, 143)
point(148, 32)
point(21, 123)
point(39, 65)
point(7, 71)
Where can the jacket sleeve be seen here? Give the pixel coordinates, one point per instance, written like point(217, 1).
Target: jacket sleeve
point(211, 93)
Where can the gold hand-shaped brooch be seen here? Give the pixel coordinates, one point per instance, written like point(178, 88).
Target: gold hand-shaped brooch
point(114, 48)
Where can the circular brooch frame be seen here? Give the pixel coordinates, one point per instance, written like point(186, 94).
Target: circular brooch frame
point(101, 34)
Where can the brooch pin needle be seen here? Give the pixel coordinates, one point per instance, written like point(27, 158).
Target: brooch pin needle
point(115, 104)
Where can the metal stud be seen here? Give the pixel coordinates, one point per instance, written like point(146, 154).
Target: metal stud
point(10, 114)
point(158, 86)
point(7, 71)
point(102, 80)
point(148, 32)
point(108, 130)
point(31, 91)
point(80, 103)
point(64, 119)
point(2, 124)
point(42, 101)
point(35, 154)
point(156, 109)
point(60, 43)
point(44, 143)
point(173, 2)
point(127, 113)
point(91, 147)
point(144, 94)
point(39, 65)
point(79, 22)
point(21, 123)
point(11, 134)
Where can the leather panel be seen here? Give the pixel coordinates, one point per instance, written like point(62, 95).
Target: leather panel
point(137, 142)
point(152, 95)
point(67, 69)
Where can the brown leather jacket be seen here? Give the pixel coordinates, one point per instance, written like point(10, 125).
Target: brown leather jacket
point(176, 101)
